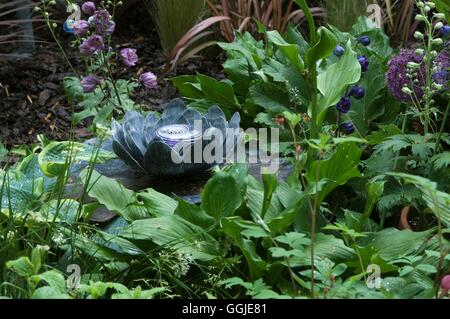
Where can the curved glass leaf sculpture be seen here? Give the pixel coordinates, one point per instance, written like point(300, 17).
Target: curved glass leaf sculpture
point(169, 145)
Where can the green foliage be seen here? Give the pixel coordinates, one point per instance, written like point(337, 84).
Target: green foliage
point(173, 18)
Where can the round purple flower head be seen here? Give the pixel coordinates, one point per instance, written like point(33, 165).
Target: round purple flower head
point(347, 127)
point(102, 23)
point(364, 61)
point(88, 7)
point(89, 83)
point(442, 64)
point(343, 105)
point(149, 80)
point(397, 75)
point(92, 45)
point(80, 27)
point(129, 56)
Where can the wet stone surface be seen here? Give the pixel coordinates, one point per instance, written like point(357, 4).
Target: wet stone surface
point(187, 187)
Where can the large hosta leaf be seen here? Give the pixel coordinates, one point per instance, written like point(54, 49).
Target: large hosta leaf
point(174, 232)
point(224, 193)
point(113, 196)
point(55, 155)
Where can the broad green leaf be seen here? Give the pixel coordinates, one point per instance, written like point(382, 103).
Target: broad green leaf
point(61, 211)
point(325, 45)
point(49, 293)
point(392, 243)
point(228, 186)
point(22, 266)
point(194, 214)
point(54, 156)
point(157, 203)
point(185, 84)
point(271, 97)
point(333, 82)
point(218, 92)
point(114, 196)
point(172, 231)
point(290, 51)
point(337, 170)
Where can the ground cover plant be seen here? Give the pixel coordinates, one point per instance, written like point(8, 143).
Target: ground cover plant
point(359, 209)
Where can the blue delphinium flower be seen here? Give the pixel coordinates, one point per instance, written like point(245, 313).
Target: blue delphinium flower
point(364, 40)
point(338, 51)
point(445, 31)
point(364, 61)
point(357, 92)
point(347, 127)
point(343, 105)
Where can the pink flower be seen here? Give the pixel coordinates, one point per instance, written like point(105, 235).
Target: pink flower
point(129, 56)
point(92, 45)
point(445, 283)
point(89, 83)
point(88, 7)
point(80, 27)
point(149, 80)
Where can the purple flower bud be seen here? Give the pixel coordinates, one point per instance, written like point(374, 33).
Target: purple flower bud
point(89, 83)
point(149, 80)
point(364, 40)
point(364, 61)
point(343, 105)
point(92, 45)
point(339, 51)
point(88, 7)
point(80, 27)
point(347, 127)
point(357, 92)
point(445, 31)
point(129, 56)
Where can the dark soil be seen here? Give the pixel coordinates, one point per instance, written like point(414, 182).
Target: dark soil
point(32, 99)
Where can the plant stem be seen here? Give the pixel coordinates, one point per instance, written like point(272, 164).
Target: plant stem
point(441, 130)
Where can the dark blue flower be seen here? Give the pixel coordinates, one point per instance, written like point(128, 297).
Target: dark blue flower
point(364, 61)
point(445, 31)
point(347, 127)
point(343, 105)
point(357, 92)
point(339, 51)
point(364, 40)
point(441, 77)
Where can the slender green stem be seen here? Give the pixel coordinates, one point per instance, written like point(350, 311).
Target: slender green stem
point(441, 130)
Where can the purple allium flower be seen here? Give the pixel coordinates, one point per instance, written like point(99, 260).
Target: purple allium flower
point(80, 27)
point(89, 83)
point(338, 51)
point(397, 75)
point(102, 23)
point(364, 40)
point(92, 45)
point(347, 127)
point(149, 80)
point(364, 61)
point(445, 31)
point(445, 283)
point(88, 7)
point(129, 56)
point(343, 105)
point(357, 92)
